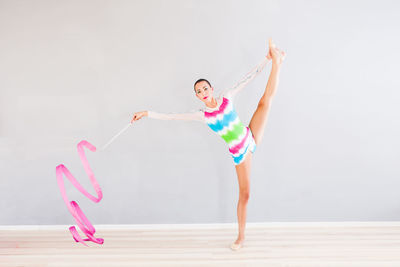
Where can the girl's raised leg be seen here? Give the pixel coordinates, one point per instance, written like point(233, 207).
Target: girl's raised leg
point(259, 119)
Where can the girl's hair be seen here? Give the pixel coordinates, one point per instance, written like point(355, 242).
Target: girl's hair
point(201, 80)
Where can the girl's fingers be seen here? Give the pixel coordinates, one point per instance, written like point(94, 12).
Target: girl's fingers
point(278, 51)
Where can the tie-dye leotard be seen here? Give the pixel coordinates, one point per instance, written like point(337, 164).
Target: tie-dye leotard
point(223, 119)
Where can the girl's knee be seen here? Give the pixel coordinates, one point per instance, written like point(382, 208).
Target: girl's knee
point(244, 195)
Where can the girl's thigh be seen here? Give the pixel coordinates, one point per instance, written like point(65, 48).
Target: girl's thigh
point(243, 172)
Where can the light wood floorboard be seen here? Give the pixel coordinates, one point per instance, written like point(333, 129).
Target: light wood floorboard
point(297, 246)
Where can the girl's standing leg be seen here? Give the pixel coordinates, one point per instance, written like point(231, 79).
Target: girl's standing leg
point(243, 174)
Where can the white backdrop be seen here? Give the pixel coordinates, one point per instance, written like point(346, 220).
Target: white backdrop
point(78, 70)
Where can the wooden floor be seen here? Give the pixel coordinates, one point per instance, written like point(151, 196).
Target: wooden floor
point(267, 244)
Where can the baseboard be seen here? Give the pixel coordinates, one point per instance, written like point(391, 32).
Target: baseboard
point(208, 225)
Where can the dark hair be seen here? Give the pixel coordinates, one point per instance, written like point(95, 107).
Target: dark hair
point(201, 80)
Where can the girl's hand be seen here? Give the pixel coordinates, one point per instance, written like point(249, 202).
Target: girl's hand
point(275, 54)
point(139, 115)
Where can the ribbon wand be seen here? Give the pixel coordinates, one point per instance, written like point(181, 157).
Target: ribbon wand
point(114, 137)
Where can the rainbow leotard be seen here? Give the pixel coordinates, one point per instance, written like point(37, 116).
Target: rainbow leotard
point(223, 119)
point(226, 123)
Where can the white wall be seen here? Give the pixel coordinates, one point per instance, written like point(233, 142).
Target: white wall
point(78, 70)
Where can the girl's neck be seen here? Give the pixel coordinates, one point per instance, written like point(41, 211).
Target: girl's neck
point(214, 103)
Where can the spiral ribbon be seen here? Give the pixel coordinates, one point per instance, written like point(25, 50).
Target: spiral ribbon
point(73, 207)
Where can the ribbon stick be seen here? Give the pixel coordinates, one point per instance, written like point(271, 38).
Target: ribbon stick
point(73, 207)
point(112, 139)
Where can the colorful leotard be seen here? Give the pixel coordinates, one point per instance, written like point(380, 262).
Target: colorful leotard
point(226, 123)
point(223, 119)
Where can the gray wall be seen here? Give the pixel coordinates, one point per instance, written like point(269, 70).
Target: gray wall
point(78, 70)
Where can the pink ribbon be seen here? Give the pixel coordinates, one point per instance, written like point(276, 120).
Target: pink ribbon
point(73, 207)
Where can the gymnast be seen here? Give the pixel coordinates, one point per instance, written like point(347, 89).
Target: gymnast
point(220, 115)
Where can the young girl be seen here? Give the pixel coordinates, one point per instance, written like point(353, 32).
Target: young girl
point(219, 114)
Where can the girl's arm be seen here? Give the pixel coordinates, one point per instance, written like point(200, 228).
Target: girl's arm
point(230, 93)
point(197, 115)
point(189, 116)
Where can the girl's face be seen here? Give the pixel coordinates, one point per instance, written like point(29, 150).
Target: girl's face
point(204, 92)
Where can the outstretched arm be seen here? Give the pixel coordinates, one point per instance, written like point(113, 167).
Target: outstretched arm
point(197, 115)
point(230, 93)
point(190, 116)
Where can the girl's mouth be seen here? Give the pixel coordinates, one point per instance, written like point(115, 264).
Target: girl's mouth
point(205, 97)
